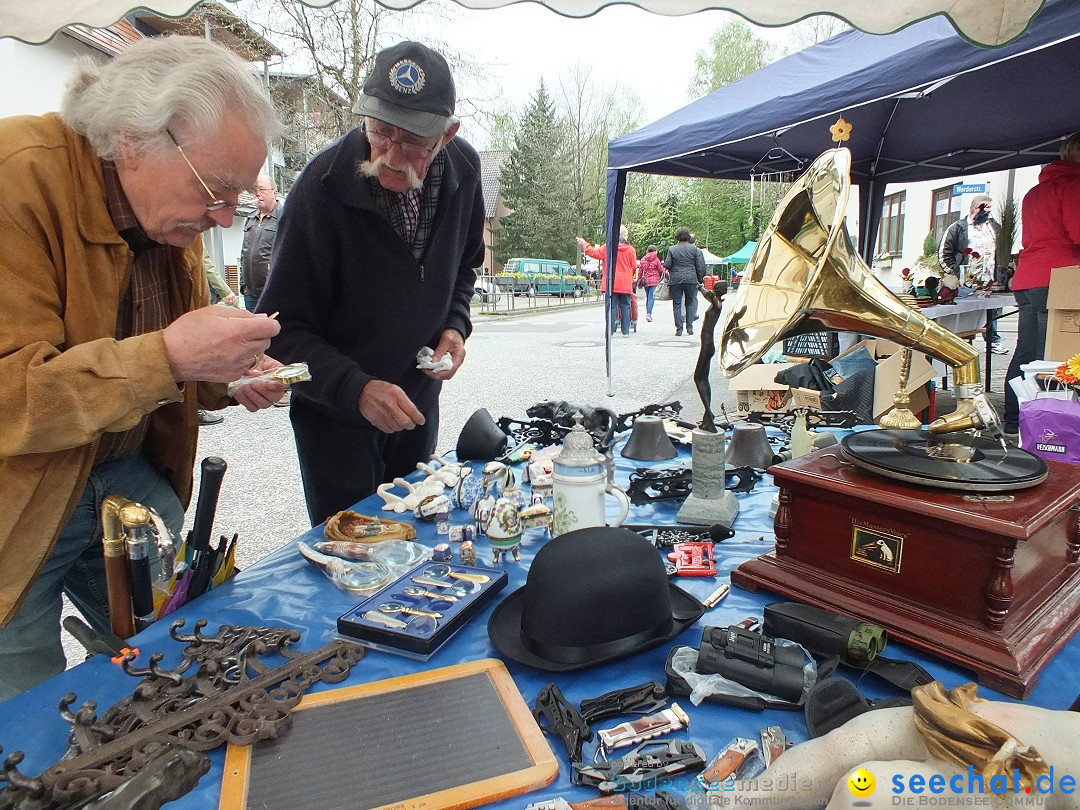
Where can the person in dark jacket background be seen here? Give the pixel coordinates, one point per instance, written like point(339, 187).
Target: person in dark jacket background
point(1050, 233)
point(260, 231)
point(374, 261)
point(977, 231)
point(685, 264)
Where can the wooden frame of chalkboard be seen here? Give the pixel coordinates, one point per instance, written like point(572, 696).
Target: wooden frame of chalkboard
point(449, 738)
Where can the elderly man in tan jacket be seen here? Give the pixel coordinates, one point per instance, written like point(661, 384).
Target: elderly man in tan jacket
point(107, 345)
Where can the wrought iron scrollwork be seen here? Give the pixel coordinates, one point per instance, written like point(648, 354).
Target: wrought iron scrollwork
point(219, 692)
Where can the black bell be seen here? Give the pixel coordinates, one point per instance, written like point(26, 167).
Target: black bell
point(749, 447)
point(649, 441)
point(481, 439)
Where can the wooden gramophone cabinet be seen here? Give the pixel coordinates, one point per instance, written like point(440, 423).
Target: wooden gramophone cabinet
point(989, 582)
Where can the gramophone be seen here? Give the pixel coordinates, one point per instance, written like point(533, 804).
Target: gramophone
point(953, 541)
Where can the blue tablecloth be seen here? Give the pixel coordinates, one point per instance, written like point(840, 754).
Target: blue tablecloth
point(284, 589)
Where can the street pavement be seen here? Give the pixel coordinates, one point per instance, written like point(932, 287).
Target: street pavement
point(551, 352)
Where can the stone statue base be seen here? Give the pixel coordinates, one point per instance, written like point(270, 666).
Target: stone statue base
point(709, 502)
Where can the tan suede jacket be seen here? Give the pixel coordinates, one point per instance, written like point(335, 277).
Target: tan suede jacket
point(64, 378)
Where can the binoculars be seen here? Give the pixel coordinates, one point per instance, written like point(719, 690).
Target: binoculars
point(753, 660)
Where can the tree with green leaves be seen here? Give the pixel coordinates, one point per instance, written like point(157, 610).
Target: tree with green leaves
point(734, 51)
point(536, 186)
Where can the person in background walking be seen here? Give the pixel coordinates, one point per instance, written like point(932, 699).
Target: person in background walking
point(260, 231)
point(686, 269)
point(650, 271)
point(623, 282)
point(1050, 233)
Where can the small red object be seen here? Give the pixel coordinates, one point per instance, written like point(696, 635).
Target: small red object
point(709, 282)
point(694, 559)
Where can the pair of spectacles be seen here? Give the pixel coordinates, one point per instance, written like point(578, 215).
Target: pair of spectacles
point(407, 148)
point(215, 203)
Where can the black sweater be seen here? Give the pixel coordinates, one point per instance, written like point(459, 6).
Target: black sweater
point(354, 304)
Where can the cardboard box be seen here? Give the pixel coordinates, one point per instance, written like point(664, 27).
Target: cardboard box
point(1063, 306)
point(756, 389)
point(886, 378)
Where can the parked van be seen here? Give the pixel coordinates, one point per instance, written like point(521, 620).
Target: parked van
point(541, 277)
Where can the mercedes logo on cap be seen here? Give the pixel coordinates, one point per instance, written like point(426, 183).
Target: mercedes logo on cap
point(407, 77)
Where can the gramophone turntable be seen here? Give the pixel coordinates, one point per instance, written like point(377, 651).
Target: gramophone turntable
point(954, 542)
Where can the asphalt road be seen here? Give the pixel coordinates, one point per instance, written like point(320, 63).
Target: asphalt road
point(514, 361)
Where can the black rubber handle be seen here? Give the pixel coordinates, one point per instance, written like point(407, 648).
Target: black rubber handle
point(213, 470)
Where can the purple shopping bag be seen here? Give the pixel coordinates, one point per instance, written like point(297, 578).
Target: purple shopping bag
point(1051, 428)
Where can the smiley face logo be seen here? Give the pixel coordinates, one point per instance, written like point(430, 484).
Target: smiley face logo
point(861, 783)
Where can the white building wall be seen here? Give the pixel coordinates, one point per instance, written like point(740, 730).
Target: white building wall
point(918, 220)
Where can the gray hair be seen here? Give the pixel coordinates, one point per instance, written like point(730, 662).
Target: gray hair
point(155, 84)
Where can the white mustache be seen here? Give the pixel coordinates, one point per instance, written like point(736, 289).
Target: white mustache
point(371, 168)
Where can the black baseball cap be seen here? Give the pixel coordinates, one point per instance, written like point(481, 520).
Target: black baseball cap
point(411, 88)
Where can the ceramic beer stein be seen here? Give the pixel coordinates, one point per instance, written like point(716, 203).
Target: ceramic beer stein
point(580, 483)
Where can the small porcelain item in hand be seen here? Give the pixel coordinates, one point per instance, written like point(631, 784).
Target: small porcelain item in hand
point(425, 360)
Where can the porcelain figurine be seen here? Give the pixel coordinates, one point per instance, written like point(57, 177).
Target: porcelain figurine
point(431, 507)
point(504, 530)
point(497, 477)
point(467, 489)
point(536, 515)
point(448, 473)
point(481, 511)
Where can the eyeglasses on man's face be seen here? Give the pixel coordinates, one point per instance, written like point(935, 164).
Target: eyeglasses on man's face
point(216, 203)
point(383, 142)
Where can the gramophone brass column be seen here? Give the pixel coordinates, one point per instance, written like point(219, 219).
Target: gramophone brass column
point(805, 276)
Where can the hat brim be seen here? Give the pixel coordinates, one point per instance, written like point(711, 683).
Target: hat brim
point(426, 125)
point(504, 629)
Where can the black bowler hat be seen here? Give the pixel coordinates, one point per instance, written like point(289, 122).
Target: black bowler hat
point(411, 88)
point(592, 595)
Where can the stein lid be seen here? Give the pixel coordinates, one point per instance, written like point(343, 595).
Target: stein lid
point(577, 447)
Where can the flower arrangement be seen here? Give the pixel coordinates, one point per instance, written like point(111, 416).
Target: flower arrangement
point(1069, 373)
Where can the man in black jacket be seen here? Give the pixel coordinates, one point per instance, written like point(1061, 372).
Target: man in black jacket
point(970, 235)
point(374, 261)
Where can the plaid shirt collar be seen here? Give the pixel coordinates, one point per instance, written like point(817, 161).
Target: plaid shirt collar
point(123, 217)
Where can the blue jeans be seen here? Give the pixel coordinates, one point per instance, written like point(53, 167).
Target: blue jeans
point(621, 302)
point(1030, 345)
point(250, 301)
point(649, 293)
point(684, 298)
point(30, 649)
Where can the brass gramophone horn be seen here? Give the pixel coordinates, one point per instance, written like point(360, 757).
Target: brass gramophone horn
point(805, 277)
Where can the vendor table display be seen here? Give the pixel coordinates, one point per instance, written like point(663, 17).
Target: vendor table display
point(288, 591)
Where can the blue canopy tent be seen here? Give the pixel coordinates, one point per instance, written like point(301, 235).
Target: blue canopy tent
point(923, 103)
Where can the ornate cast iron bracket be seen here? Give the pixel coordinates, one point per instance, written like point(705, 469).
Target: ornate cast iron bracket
point(231, 696)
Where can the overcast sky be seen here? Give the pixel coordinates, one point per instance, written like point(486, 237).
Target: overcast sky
point(649, 54)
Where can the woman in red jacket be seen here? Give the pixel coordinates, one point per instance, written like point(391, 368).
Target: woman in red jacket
point(623, 286)
point(1050, 224)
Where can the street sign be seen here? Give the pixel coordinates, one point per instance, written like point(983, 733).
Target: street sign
point(968, 188)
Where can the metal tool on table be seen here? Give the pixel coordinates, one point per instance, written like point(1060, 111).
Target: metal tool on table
point(632, 732)
point(646, 764)
point(727, 762)
point(198, 540)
